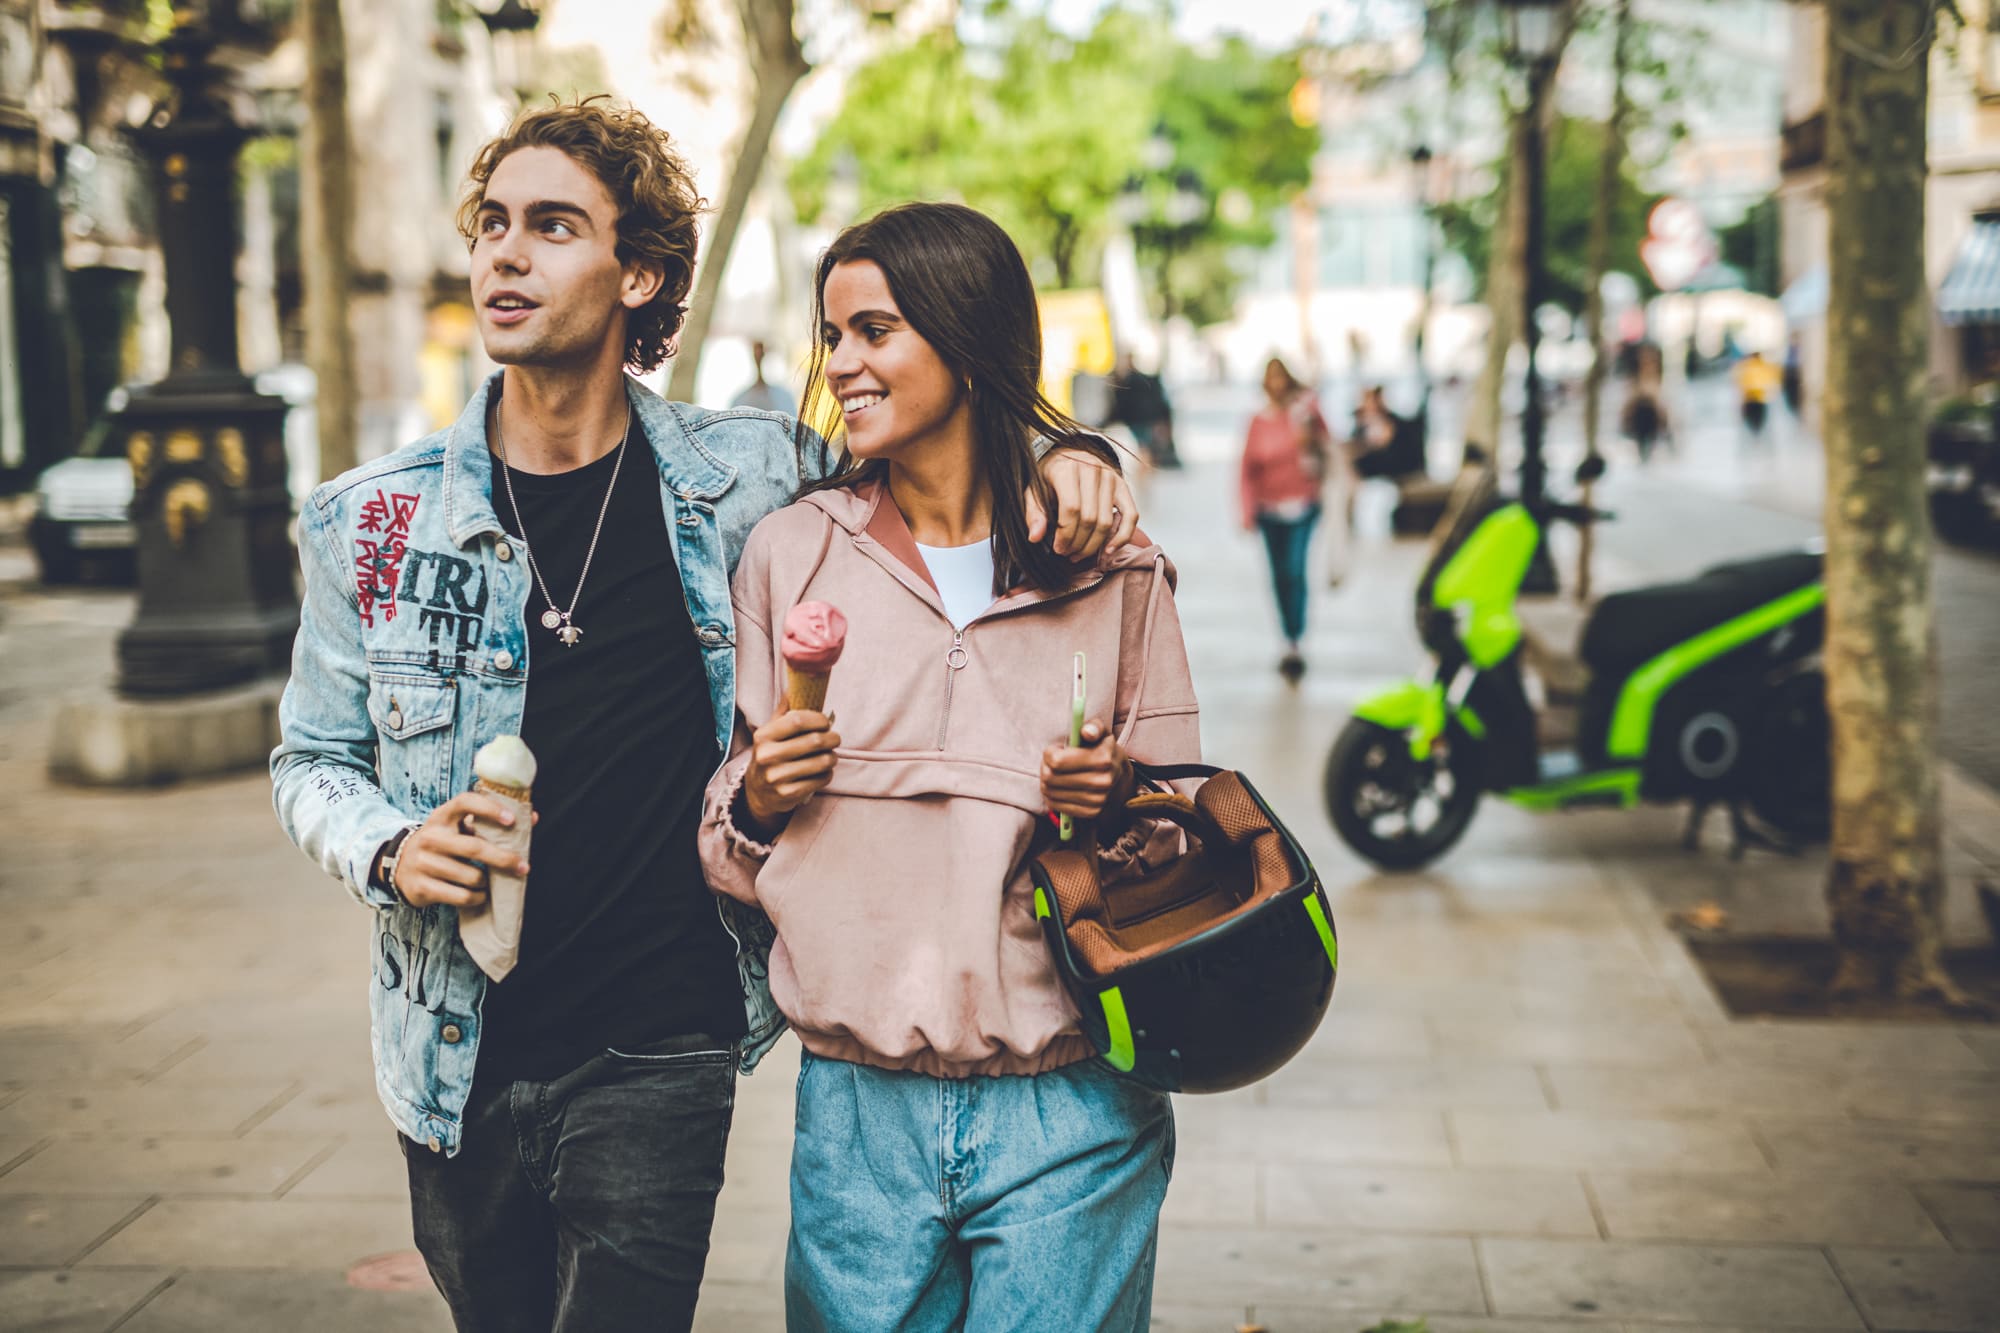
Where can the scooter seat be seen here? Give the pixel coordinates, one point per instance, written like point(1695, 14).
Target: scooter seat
point(1628, 628)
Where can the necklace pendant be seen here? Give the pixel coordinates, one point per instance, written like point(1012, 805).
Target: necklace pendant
point(552, 619)
point(569, 634)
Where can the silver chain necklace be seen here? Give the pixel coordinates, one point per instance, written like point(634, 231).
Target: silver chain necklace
point(554, 618)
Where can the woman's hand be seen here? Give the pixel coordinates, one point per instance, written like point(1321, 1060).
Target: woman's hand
point(791, 757)
point(1085, 781)
point(1095, 508)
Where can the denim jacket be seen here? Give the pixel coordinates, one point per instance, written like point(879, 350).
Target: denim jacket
point(412, 653)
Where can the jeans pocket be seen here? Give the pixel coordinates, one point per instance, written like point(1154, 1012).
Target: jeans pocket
point(694, 1050)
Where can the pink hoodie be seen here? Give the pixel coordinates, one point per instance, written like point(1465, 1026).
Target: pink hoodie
point(906, 931)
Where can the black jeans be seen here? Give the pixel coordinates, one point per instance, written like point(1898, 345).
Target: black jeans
point(583, 1204)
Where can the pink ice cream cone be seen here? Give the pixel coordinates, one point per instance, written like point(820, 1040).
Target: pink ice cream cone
point(813, 637)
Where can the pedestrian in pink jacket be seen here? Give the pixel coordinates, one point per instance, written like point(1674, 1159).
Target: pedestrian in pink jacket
point(961, 1158)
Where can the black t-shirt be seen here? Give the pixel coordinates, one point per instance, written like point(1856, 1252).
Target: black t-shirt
point(621, 943)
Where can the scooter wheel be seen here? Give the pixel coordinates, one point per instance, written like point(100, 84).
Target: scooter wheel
point(1393, 809)
point(1791, 785)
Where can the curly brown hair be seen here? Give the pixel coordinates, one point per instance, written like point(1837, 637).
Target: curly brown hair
point(649, 181)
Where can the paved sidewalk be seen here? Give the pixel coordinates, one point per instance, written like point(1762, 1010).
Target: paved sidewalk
point(1526, 1111)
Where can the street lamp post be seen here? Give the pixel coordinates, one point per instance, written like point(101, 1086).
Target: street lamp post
point(511, 26)
point(1533, 38)
point(216, 604)
point(1420, 163)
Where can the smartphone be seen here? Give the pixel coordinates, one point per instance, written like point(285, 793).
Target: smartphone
point(1076, 701)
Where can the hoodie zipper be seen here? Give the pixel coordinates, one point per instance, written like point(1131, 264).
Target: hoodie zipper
point(954, 662)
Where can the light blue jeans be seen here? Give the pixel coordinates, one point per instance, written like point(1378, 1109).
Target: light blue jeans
point(1012, 1203)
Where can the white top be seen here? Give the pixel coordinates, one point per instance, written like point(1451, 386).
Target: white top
point(964, 578)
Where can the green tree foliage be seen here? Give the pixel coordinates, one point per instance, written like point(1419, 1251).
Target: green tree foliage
point(1752, 246)
point(1043, 130)
point(1575, 151)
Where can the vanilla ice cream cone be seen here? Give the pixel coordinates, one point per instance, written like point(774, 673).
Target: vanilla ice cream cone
point(491, 931)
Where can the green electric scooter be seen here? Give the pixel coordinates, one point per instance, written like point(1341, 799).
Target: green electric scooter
point(1707, 690)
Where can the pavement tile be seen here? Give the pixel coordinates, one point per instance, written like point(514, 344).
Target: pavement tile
point(1810, 1210)
point(329, 1108)
point(1212, 1191)
point(1406, 1085)
point(161, 1165)
point(1288, 1134)
point(1579, 1139)
point(1761, 1287)
point(1304, 1319)
point(1968, 1212)
point(1488, 1037)
point(208, 1300)
point(739, 1307)
point(1924, 1289)
point(1315, 1269)
point(1424, 1199)
point(1973, 1097)
point(1985, 1043)
point(1360, 1035)
point(747, 1246)
point(136, 1108)
point(1925, 1047)
point(364, 1168)
point(257, 1233)
point(38, 1057)
point(50, 1230)
point(1701, 1086)
point(1908, 1150)
point(39, 1301)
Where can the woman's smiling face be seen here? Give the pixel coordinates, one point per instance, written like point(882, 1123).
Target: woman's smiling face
point(896, 393)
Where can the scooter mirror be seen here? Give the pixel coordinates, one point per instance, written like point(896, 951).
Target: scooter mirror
point(1590, 469)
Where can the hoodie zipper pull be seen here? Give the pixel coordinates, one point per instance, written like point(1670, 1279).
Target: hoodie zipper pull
point(954, 662)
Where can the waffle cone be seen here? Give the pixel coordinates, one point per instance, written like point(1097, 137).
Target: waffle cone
point(806, 690)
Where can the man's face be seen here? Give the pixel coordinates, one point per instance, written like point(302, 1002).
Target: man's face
point(546, 279)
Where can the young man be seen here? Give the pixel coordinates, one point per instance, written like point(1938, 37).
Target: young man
point(556, 565)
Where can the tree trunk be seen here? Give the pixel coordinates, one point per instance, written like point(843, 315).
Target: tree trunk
point(776, 66)
point(1504, 262)
point(328, 227)
point(1598, 261)
point(1885, 888)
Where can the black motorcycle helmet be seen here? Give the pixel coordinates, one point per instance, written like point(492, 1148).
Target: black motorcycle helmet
point(1205, 974)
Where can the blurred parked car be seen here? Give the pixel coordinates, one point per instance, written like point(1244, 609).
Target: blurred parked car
point(82, 522)
point(1964, 472)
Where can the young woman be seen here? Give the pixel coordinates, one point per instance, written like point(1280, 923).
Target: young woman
point(960, 1158)
point(1284, 461)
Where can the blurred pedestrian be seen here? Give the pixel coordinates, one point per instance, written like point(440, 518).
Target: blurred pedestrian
point(563, 1130)
point(1140, 401)
point(908, 956)
point(1756, 380)
point(759, 393)
point(1643, 419)
point(1794, 375)
point(1285, 457)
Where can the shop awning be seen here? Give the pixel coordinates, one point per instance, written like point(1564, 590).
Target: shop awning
point(1970, 293)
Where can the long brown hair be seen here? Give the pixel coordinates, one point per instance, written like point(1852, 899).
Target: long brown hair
point(962, 286)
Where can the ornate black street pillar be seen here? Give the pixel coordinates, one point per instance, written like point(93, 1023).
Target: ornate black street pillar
point(216, 601)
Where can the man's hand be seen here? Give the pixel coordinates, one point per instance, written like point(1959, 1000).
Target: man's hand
point(441, 863)
point(791, 757)
point(1085, 781)
point(1095, 508)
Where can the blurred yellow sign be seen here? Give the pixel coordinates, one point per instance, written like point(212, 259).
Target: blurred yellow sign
point(1076, 336)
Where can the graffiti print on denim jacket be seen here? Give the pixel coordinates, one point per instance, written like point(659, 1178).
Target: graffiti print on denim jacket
point(450, 602)
point(380, 542)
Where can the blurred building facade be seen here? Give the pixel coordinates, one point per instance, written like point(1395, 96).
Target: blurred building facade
point(1961, 234)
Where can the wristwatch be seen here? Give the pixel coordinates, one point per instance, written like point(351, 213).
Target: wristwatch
point(392, 850)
